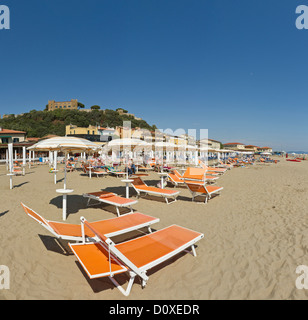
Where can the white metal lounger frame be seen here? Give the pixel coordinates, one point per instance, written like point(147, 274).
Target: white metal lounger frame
point(208, 194)
point(99, 173)
point(164, 195)
point(51, 230)
point(117, 173)
point(217, 171)
point(87, 171)
point(205, 179)
point(82, 238)
point(176, 183)
point(110, 246)
point(105, 200)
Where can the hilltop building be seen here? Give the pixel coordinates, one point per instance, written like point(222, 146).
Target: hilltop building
point(71, 105)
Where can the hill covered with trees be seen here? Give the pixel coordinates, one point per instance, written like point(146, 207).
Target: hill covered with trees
point(41, 123)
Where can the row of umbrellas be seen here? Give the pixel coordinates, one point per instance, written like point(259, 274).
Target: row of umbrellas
point(78, 145)
point(74, 145)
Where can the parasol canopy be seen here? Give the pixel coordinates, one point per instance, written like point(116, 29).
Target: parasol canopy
point(65, 144)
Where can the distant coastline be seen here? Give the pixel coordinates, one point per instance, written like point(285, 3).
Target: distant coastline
point(298, 152)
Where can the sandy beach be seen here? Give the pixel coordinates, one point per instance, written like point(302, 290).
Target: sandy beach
point(255, 235)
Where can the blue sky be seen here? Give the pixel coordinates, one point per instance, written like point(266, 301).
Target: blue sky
point(237, 68)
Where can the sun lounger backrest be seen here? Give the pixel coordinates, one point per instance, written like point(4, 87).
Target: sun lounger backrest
point(84, 168)
point(194, 173)
point(196, 187)
point(34, 215)
point(174, 177)
point(201, 164)
point(138, 182)
point(177, 173)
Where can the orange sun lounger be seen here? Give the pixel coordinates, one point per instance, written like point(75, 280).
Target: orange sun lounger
point(139, 186)
point(110, 198)
point(212, 170)
point(198, 174)
point(109, 227)
point(136, 256)
point(196, 187)
point(224, 165)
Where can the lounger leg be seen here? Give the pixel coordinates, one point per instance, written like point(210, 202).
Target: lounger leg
point(193, 250)
point(193, 196)
point(129, 286)
point(168, 202)
point(143, 283)
point(88, 202)
point(118, 212)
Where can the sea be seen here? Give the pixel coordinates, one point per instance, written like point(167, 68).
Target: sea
point(298, 152)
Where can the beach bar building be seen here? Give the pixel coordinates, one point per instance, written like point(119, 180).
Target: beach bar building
point(19, 140)
point(236, 146)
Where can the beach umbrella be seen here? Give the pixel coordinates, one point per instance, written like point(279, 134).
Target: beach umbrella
point(66, 145)
point(126, 145)
point(162, 147)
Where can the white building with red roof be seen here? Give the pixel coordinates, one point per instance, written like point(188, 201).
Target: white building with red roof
point(11, 136)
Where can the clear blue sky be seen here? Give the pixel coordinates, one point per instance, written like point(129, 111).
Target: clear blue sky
point(237, 68)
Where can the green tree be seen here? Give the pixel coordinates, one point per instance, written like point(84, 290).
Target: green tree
point(80, 105)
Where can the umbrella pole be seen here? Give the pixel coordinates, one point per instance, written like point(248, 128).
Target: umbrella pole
point(65, 170)
point(10, 152)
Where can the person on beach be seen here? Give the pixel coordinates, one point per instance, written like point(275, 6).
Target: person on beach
point(131, 167)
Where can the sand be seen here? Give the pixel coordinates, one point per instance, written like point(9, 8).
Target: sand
point(255, 237)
